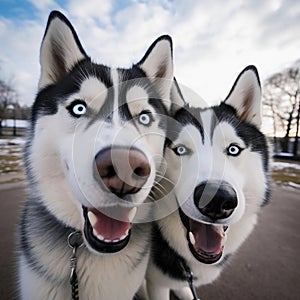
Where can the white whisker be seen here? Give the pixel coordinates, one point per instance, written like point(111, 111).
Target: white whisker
point(165, 178)
point(161, 186)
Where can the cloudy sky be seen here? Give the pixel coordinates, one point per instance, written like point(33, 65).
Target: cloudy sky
point(213, 40)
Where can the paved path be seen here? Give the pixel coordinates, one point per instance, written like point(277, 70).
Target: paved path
point(11, 196)
point(267, 267)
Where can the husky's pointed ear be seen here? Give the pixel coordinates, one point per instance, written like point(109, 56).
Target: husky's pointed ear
point(245, 96)
point(60, 49)
point(177, 99)
point(157, 63)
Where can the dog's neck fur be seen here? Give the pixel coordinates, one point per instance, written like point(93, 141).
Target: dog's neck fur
point(33, 228)
point(56, 251)
point(168, 260)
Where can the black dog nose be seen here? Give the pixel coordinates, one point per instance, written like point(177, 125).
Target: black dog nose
point(216, 199)
point(123, 171)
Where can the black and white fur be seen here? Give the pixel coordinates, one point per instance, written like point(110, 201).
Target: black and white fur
point(81, 109)
point(219, 147)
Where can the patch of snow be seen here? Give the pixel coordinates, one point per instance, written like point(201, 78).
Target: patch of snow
point(17, 141)
point(19, 123)
point(286, 154)
point(13, 141)
point(282, 165)
point(4, 152)
point(294, 185)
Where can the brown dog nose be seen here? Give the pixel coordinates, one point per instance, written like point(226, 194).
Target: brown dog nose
point(122, 170)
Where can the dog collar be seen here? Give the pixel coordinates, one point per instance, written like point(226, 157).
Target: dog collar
point(75, 241)
point(189, 278)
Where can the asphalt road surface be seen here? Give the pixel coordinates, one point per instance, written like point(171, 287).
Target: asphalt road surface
point(266, 267)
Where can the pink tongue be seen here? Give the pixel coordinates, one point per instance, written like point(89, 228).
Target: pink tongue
point(109, 228)
point(208, 238)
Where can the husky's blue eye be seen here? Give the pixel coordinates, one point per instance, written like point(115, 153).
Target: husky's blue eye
point(234, 150)
point(181, 150)
point(77, 108)
point(145, 118)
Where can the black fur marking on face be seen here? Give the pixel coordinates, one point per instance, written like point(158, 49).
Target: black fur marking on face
point(253, 138)
point(184, 116)
point(136, 77)
point(250, 134)
point(49, 98)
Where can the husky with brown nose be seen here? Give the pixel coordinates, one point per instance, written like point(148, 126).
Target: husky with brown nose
point(93, 152)
point(218, 166)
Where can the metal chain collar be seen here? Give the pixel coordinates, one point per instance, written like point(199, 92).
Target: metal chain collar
point(74, 241)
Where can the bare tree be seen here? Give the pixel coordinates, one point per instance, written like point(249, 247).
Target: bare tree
point(8, 96)
point(295, 149)
point(281, 98)
point(271, 112)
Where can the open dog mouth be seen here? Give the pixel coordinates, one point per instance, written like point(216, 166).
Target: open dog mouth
point(206, 241)
point(106, 234)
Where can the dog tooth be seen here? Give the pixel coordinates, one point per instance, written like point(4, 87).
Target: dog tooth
point(126, 233)
point(92, 218)
point(224, 239)
point(192, 238)
point(132, 214)
point(95, 233)
point(123, 237)
point(98, 236)
point(107, 241)
point(116, 240)
point(224, 231)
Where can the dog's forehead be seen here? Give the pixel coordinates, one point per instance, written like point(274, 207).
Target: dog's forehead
point(189, 136)
point(136, 93)
point(219, 126)
point(212, 123)
point(88, 70)
point(96, 81)
point(94, 92)
point(92, 87)
point(138, 90)
point(137, 99)
point(104, 89)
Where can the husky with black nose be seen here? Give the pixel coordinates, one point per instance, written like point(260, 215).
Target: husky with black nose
point(95, 146)
point(218, 166)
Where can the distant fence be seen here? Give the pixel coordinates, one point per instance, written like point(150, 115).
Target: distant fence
point(13, 127)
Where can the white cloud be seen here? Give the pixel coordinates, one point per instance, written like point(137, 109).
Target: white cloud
point(42, 8)
point(91, 9)
point(19, 56)
point(213, 41)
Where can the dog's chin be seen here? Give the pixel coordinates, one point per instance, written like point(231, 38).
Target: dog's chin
point(206, 241)
point(105, 234)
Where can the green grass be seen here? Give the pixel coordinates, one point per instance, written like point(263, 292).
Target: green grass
point(286, 172)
